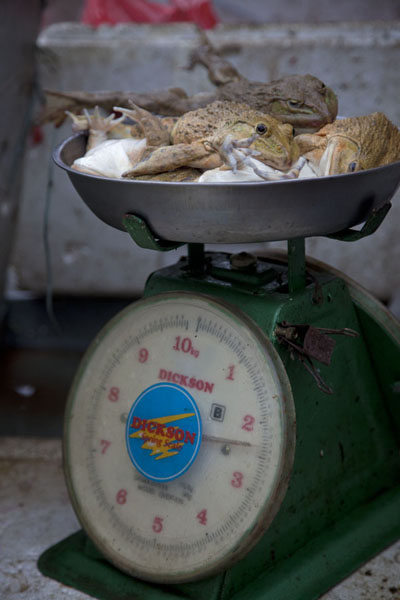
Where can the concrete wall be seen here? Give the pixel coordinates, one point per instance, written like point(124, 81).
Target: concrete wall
point(19, 25)
point(310, 11)
point(358, 60)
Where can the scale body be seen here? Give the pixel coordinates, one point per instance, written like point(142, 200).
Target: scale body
point(347, 442)
point(342, 501)
point(335, 367)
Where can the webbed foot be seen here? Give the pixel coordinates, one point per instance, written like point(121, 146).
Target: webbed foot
point(234, 153)
point(79, 122)
point(99, 126)
point(293, 173)
point(146, 124)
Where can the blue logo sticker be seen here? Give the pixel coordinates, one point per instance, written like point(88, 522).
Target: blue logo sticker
point(163, 432)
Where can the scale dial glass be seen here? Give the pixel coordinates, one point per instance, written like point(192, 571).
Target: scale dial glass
point(209, 516)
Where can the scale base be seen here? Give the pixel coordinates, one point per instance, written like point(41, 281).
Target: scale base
point(307, 574)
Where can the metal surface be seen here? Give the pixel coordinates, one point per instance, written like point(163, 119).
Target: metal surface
point(234, 213)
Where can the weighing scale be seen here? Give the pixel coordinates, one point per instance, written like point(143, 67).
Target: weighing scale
point(235, 432)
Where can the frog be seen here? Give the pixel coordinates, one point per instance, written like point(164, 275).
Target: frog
point(221, 133)
point(351, 144)
point(302, 100)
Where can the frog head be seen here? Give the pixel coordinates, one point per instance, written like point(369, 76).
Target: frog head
point(330, 154)
point(272, 140)
point(302, 100)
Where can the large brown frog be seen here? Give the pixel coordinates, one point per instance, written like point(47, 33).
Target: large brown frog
point(304, 101)
point(220, 132)
point(351, 144)
point(301, 100)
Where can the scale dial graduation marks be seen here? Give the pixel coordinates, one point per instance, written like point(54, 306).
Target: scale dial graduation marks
point(179, 437)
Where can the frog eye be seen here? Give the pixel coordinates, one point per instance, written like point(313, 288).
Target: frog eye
point(352, 167)
point(261, 128)
point(295, 103)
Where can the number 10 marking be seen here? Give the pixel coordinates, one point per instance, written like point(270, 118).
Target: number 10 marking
point(185, 345)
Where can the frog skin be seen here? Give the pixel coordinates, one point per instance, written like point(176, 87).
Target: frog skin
point(304, 101)
point(352, 144)
point(220, 132)
point(175, 149)
point(181, 175)
point(301, 100)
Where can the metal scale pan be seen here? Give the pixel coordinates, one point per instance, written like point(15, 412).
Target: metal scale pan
point(235, 212)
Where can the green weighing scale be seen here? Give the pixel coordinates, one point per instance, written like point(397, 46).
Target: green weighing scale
point(235, 432)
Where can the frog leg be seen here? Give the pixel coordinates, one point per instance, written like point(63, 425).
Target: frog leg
point(181, 174)
point(117, 131)
point(293, 173)
point(233, 151)
point(169, 158)
point(79, 122)
point(220, 71)
point(99, 127)
point(172, 102)
point(312, 146)
point(155, 129)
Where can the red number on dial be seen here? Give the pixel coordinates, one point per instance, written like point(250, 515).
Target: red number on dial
point(121, 496)
point(157, 524)
point(202, 517)
point(237, 480)
point(230, 376)
point(113, 394)
point(143, 355)
point(104, 445)
point(248, 423)
point(185, 345)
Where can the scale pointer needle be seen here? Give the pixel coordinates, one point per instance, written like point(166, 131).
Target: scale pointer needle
point(211, 438)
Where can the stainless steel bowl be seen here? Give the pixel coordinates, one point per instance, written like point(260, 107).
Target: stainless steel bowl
point(233, 212)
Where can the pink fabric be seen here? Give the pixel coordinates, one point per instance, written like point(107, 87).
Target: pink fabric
point(200, 12)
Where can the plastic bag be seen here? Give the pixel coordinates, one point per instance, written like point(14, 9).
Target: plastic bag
point(200, 12)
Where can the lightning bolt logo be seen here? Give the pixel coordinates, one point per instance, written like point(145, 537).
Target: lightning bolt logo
point(159, 443)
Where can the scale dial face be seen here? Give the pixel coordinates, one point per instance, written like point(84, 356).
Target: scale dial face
point(184, 377)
